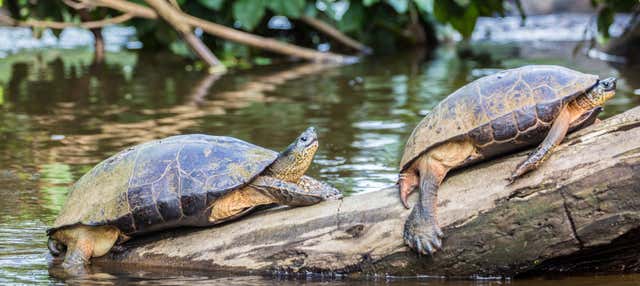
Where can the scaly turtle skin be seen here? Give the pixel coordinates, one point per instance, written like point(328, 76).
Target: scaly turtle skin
point(186, 180)
point(493, 115)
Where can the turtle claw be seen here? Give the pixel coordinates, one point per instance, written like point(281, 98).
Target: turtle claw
point(422, 234)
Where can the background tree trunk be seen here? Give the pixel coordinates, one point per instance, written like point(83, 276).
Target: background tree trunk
point(582, 203)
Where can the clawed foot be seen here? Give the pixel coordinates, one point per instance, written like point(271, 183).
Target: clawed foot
point(512, 179)
point(422, 234)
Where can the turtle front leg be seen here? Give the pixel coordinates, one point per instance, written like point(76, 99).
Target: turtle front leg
point(555, 136)
point(78, 253)
point(287, 193)
point(314, 187)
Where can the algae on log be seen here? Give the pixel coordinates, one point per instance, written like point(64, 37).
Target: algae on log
point(584, 199)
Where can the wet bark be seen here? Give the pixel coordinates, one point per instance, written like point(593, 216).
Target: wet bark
point(583, 202)
point(98, 40)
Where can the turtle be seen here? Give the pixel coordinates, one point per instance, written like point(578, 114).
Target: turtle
point(491, 116)
point(185, 180)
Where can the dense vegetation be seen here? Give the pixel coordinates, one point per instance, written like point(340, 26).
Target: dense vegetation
point(381, 24)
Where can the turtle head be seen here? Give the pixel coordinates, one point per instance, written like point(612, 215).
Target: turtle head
point(294, 161)
point(602, 91)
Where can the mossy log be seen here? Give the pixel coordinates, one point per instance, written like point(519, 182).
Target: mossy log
point(579, 211)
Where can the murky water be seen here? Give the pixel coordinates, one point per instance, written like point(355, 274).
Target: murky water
point(60, 114)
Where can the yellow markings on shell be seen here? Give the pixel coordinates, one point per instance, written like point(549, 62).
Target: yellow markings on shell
point(99, 194)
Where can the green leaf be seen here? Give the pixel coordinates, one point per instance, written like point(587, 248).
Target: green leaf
point(441, 10)
point(248, 12)
point(1, 95)
point(462, 3)
point(329, 9)
point(310, 10)
point(467, 22)
point(425, 6)
point(353, 19)
point(605, 19)
point(368, 3)
point(180, 48)
point(212, 4)
point(289, 8)
point(401, 6)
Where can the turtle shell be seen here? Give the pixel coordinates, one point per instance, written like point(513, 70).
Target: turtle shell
point(493, 109)
point(163, 183)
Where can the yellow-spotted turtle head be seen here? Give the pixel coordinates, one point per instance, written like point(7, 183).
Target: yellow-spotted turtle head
point(294, 161)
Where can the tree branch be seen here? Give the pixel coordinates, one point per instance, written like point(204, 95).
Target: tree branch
point(226, 32)
point(170, 14)
point(62, 25)
point(335, 34)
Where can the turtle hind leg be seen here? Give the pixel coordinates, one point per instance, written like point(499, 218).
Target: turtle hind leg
point(554, 138)
point(421, 230)
point(83, 242)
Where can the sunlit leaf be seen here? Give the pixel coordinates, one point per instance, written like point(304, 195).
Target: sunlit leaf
point(368, 3)
point(248, 12)
point(180, 48)
point(289, 8)
point(401, 6)
point(352, 20)
point(425, 6)
point(467, 22)
point(212, 4)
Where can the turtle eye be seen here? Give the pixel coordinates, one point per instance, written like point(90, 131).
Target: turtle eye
point(303, 138)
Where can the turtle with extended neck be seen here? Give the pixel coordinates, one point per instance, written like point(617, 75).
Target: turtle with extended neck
point(186, 180)
point(493, 115)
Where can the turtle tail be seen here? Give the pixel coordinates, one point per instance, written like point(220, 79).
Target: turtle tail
point(52, 244)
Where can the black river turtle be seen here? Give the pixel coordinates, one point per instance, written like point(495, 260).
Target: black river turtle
point(493, 115)
point(185, 180)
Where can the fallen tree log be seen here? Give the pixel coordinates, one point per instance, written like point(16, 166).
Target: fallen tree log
point(585, 200)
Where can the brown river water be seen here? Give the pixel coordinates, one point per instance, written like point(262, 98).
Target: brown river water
point(60, 114)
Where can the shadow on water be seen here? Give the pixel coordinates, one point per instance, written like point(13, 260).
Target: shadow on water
point(60, 114)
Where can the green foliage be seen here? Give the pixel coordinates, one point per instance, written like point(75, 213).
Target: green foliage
point(353, 19)
point(401, 6)
point(606, 13)
point(605, 19)
point(289, 8)
point(214, 5)
point(249, 12)
point(378, 23)
point(462, 14)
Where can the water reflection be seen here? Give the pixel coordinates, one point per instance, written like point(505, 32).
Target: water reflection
point(60, 114)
